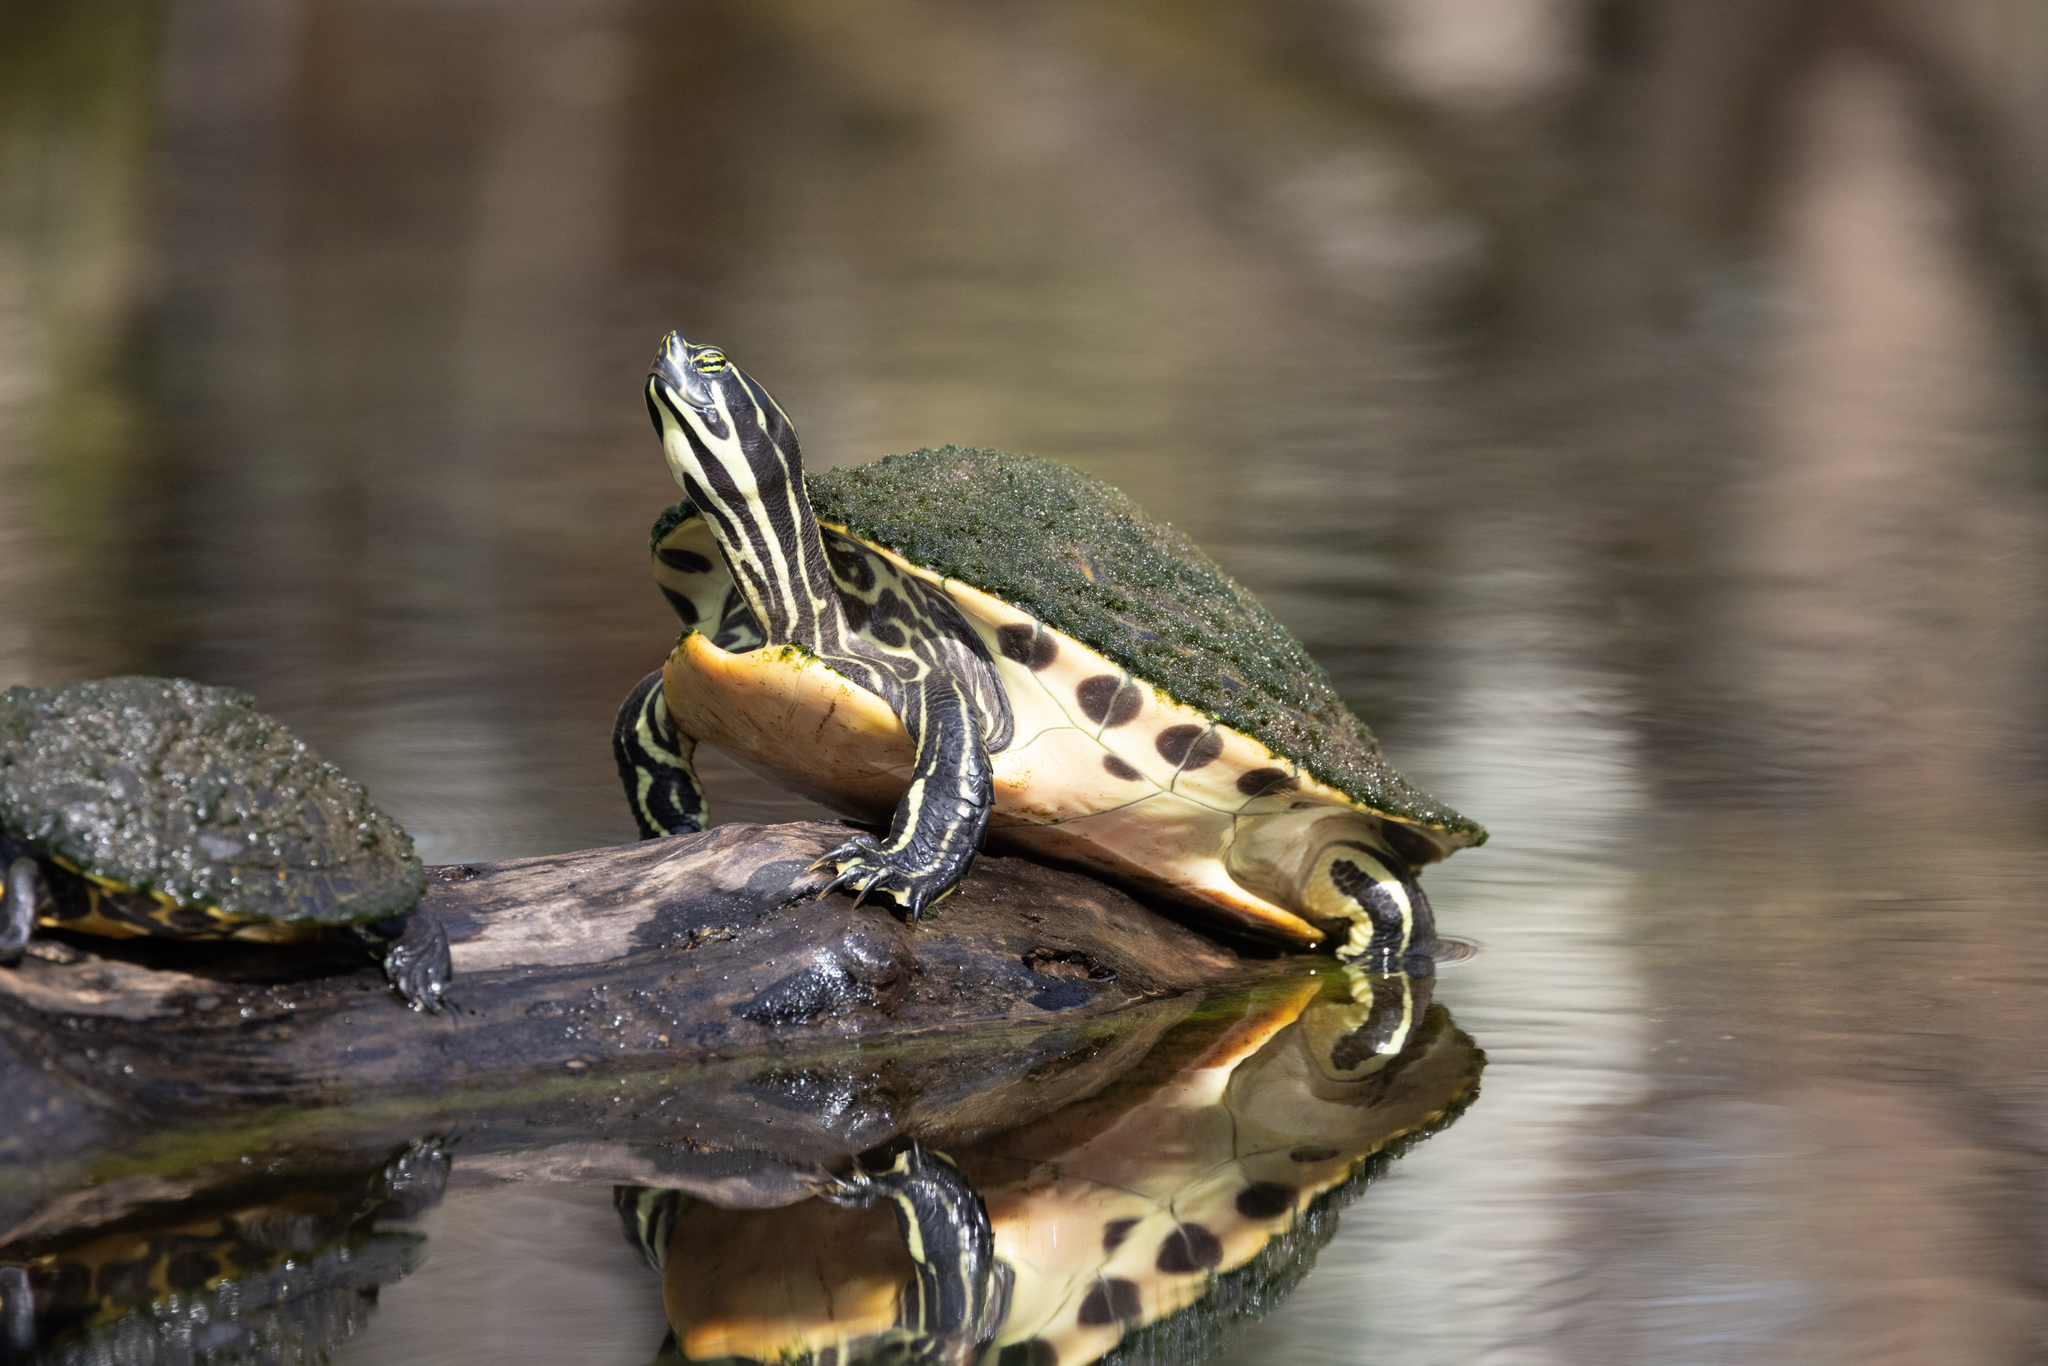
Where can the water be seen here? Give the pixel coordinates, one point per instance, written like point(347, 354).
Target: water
point(1634, 406)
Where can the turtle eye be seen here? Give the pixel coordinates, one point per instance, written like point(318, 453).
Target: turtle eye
point(709, 361)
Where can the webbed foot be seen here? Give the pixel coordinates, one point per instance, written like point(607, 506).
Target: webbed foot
point(418, 962)
point(862, 866)
point(21, 894)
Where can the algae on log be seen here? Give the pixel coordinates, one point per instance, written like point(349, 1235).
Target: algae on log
point(676, 1012)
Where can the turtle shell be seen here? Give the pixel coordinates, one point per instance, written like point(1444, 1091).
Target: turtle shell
point(1078, 555)
point(189, 794)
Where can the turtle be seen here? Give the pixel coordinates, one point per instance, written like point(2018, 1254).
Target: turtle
point(264, 1267)
point(961, 642)
point(1195, 1189)
point(164, 807)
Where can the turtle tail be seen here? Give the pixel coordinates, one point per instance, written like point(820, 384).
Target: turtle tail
point(654, 764)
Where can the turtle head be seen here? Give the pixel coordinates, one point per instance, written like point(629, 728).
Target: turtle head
point(725, 438)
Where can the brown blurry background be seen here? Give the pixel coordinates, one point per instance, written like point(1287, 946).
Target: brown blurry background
point(1636, 404)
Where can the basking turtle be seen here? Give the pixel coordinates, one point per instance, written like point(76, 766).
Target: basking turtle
point(160, 806)
point(959, 640)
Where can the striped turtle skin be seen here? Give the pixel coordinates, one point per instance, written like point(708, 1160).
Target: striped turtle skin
point(162, 807)
point(1140, 1224)
point(989, 645)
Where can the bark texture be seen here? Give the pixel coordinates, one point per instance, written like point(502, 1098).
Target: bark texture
point(675, 1012)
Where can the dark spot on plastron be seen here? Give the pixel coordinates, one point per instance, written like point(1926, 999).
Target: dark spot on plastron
point(1115, 1231)
point(1095, 694)
point(1030, 1352)
point(1015, 641)
point(1190, 1247)
point(1265, 1200)
point(687, 561)
point(1264, 782)
point(1113, 1300)
point(1307, 1153)
point(1189, 747)
point(1119, 769)
point(1109, 700)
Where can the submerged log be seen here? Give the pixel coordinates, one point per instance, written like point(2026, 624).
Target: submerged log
point(678, 1011)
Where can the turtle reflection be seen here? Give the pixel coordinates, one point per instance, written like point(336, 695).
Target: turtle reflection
point(1191, 1194)
point(265, 1269)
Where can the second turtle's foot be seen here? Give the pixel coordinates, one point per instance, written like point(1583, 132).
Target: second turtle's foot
point(21, 892)
point(418, 962)
point(862, 866)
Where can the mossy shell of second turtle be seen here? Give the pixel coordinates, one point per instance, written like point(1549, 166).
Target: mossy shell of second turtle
point(1079, 555)
point(189, 794)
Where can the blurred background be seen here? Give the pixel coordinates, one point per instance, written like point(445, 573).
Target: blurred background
point(1637, 405)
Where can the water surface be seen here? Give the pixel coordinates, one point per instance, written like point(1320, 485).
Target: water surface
point(1635, 408)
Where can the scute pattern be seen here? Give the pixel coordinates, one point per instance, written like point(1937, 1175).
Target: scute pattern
point(188, 794)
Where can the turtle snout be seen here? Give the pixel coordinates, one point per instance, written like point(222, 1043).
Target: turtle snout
point(671, 365)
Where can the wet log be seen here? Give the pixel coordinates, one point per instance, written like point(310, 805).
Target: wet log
point(679, 1011)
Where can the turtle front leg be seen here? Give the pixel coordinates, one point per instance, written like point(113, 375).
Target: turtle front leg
point(1332, 868)
point(939, 822)
point(654, 764)
point(22, 895)
point(960, 1294)
point(415, 955)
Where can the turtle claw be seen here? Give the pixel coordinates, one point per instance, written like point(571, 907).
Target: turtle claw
point(862, 867)
point(418, 962)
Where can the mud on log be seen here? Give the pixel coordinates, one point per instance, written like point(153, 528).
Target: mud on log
point(678, 1011)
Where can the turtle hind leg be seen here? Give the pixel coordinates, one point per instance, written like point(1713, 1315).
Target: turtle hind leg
point(1392, 926)
point(414, 951)
point(654, 764)
point(1333, 868)
point(939, 821)
point(21, 896)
